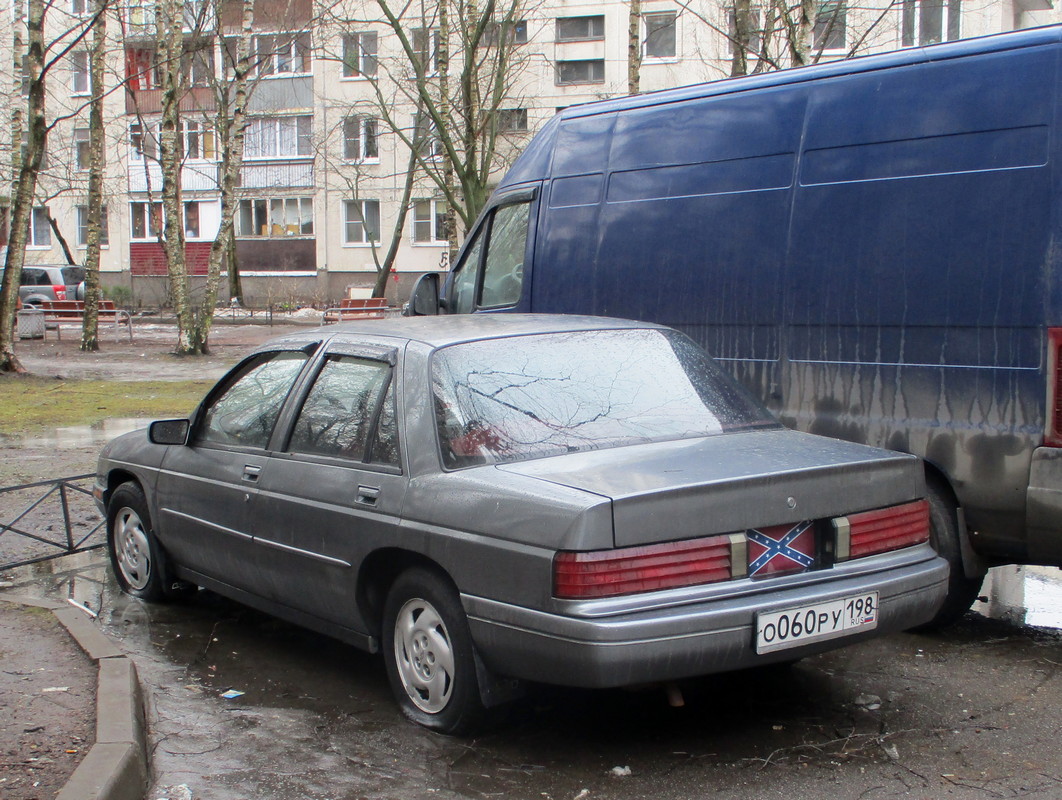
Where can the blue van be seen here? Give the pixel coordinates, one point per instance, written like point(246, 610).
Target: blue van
point(872, 246)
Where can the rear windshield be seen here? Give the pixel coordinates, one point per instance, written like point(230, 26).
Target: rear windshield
point(533, 396)
point(73, 275)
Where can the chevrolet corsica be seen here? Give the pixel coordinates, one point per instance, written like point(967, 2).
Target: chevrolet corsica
point(497, 499)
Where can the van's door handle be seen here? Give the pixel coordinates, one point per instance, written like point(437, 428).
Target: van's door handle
point(367, 495)
point(251, 472)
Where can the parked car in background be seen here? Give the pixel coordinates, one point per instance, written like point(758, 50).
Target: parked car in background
point(43, 283)
point(504, 498)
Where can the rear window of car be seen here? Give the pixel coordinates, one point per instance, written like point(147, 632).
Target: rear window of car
point(525, 397)
point(73, 275)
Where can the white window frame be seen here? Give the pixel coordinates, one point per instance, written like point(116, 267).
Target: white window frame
point(288, 54)
point(80, 80)
point(150, 217)
point(40, 231)
point(437, 210)
point(512, 120)
point(276, 131)
point(649, 15)
point(82, 154)
point(756, 42)
point(360, 62)
point(912, 16)
point(426, 44)
point(368, 130)
point(432, 146)
point(82, 227)
point(351, 219)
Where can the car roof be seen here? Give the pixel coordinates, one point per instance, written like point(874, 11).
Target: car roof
point(447, 329)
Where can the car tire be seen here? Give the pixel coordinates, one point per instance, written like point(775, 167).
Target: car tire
point(429, 654)
point(944, 534)
point(136, 556)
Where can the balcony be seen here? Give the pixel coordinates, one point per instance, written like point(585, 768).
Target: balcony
point(277, 174)
point(149, 101)
point(201, 176)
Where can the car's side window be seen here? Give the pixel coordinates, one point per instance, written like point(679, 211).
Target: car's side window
point(503, 270)
point(463, 299)
point(349, 412)
point(245, 412)
point(504, 235)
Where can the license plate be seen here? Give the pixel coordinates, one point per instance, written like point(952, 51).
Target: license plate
point(793, 627)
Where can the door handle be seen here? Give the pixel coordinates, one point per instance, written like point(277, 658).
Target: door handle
point(367, 495)
point(251, 472)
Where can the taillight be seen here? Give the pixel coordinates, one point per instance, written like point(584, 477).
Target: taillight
point(647, 568)
point(880, 531)
point(1053, 423)
point(60, 293)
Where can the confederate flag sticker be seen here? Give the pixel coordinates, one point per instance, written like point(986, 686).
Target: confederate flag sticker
point(781, 548)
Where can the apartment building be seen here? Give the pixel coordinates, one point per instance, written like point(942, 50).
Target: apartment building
point(322, 178)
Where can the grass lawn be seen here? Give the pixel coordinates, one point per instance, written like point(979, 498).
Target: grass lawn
point(30, 404)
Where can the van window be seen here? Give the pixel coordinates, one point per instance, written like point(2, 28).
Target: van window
point(494, 279)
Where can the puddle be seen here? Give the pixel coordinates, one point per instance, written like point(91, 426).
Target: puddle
point(1025, 595)
point(78, 435)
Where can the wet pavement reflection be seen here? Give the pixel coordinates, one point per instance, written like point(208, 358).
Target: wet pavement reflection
point(968, 713)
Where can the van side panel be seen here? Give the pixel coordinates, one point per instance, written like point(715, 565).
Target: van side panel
point(916, 276)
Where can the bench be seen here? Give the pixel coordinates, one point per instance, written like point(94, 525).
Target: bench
point(356, 308)
point(57, 312)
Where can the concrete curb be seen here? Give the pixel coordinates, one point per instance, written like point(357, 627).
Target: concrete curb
point(116, 767)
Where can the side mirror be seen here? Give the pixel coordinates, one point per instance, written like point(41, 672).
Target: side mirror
point(424, 301)
point(168, 431)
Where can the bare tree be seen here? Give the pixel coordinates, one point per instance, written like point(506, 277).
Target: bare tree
point(97, 161)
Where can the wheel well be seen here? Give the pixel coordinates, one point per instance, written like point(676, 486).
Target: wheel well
point(116, 478)
point(378, 571)
point(937, 480)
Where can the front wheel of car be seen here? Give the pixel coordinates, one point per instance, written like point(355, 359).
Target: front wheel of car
point(135, 553)
point(429, 653)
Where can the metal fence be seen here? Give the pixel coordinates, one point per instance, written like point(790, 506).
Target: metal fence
point(47, 519)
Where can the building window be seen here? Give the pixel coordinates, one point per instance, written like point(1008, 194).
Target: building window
point(143, 142)
point(492, 33)
point(81, 148)
point(79, 8)
point(660, 39)
point(191, 220)
point(930, 21)
point(830, 26)
point(142, 13)
point(755, 31)
point(142, 69)
point(573, 72)
point(197, 64)
point(79, 67)
point(580, 29)
point(512, 120)
point(430, 222)
point(82, 227)
point(426, 47)
point(198, 141)
point(40, 233)
point(282, 54)
point(426, 138)
point(361, 221)
point(359, 55)
point(276, 216)
point(146, 220)
point(279, 137)
point(360, 139)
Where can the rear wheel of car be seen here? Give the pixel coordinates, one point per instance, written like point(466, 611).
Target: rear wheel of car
point(429, 653)
point(135, 553)
point(944, 534)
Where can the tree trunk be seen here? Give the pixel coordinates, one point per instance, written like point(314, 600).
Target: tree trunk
point(634, 48)
point(169, 37)
point(22, 207)
point(741, 39)
point(90, 341)
point(230, 129)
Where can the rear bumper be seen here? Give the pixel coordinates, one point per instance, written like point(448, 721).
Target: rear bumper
point(678, 634)
point(1043, 509)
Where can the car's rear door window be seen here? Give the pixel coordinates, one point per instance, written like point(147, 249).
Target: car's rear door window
point(349, 412)
point(245, 411)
